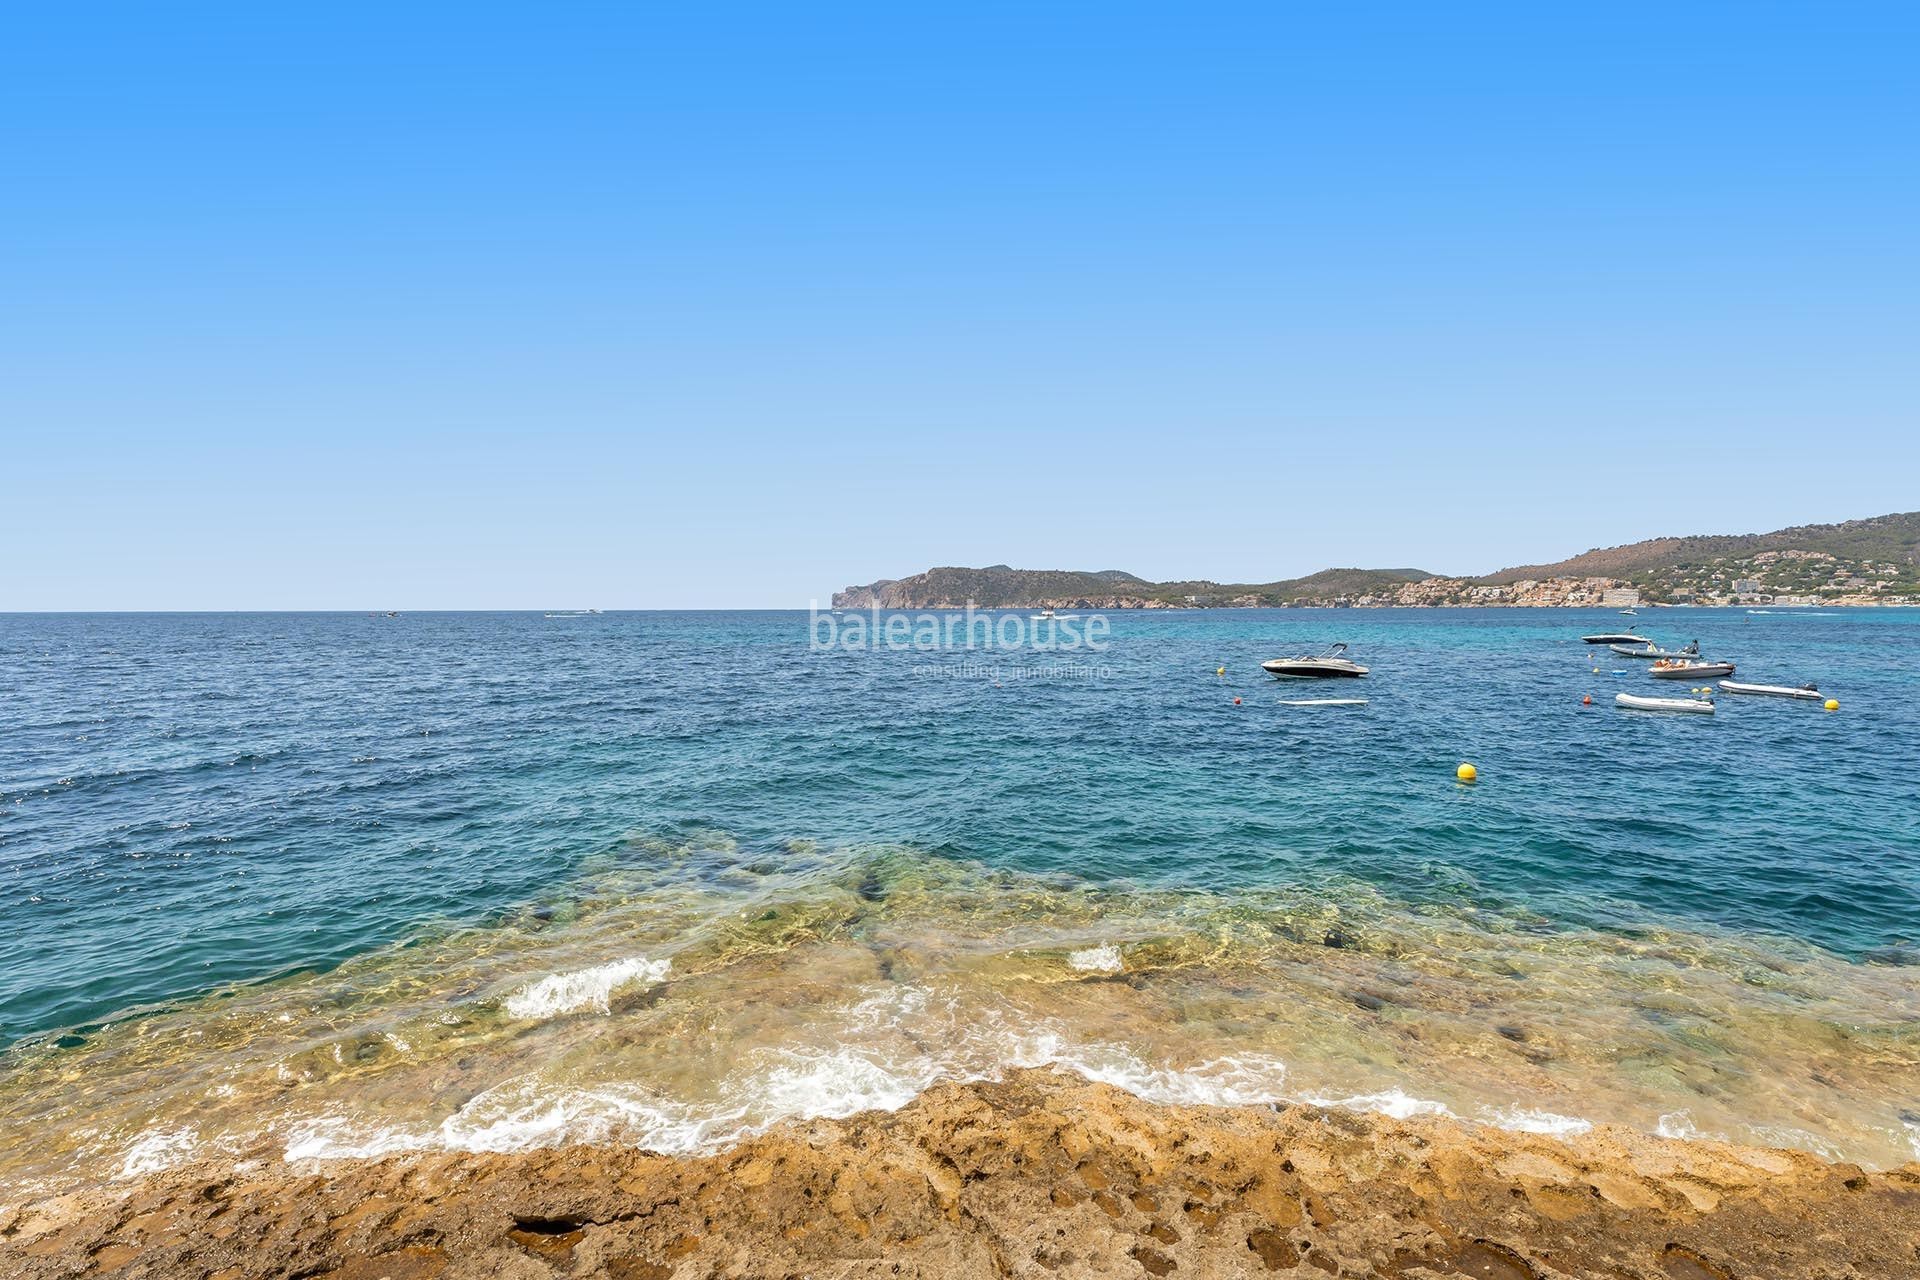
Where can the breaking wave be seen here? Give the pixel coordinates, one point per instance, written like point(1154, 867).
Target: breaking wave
point(563, 993)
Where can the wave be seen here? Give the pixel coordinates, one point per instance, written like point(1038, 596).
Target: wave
point(864, 1072)
point(158, 1149)
point(1101, 959)
point(563, 993)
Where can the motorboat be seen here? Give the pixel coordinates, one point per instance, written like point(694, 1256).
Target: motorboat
point(1629, 613)
point(1655, 651)
point(1669, 669)
point(1616, 637)
point(1048, 615)
point(1773, 690)
point(1634, 702)
point(1329, 662)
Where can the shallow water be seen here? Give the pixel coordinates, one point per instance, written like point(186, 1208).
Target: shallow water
point(330, 884)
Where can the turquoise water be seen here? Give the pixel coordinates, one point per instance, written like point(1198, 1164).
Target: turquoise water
point(208, 813)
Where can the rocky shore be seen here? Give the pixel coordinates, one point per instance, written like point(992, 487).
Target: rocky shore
point(1042, 1175)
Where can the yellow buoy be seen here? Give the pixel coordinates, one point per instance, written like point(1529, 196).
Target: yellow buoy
point(1466, 773)
point(1222, 671)
point(1833, 704)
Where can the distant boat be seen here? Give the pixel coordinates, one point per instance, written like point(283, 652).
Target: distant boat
point(1633, 702)
point(1616, 637)
point(1048, 615)
point(1772, 690)
point(1667, 670)
point(1329, 663)
point(1653, 651)
point(1629, 613)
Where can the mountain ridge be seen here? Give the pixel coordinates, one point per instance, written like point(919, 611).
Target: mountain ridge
point(1869, 561)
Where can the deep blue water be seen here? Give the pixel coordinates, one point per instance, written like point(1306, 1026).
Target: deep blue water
point(193, 800)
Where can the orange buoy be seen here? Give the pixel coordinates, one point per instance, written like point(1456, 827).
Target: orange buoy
point(1587, 701)
point(1236, 702)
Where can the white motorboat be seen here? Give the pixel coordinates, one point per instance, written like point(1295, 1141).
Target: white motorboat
point(1773, 690)
point(1048, 615)
point(1667, 669)
point(1328, 663)
point(1655, 651)
point(1633, 702)
point(1616, 637)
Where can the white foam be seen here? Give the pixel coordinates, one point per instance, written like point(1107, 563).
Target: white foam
point(842, 1084)
point(869, 1067)
point(158, 1149)
point(883, 1051)
point(1393, 1102)
point(1237, 1080)
point(1101, 959)
point(1676, 1124)
point(1527, 1120)
point(517, 1116)
point(591, 988)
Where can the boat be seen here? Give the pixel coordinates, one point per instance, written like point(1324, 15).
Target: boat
point(1329, 662)
point(1668, 669)
point(1633, 702)
point(1629, 613)
point(1048, 615)
point(1616, 637)
point(1772, 690)
point(1654, 651)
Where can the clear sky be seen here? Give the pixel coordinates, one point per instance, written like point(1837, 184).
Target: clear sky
point(634, 305)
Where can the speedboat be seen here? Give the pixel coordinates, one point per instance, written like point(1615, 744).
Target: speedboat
point(1633, 702)
point(1329, 662)
point(1654, 651)
point(1629, 613)
point(1772, 690)
point(1048, 615)
point(1669, 669)
point(1616, 637)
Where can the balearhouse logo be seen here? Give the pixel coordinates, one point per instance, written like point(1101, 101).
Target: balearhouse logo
point(967, 629)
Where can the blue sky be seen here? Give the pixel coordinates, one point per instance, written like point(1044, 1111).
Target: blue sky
point(719, 305)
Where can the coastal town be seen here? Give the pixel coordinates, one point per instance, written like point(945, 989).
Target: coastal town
point(1775, 579)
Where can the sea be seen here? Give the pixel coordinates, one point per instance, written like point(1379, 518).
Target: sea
point(329, 885)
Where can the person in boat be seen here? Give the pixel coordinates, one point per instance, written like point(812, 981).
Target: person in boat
point(1692, 650)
